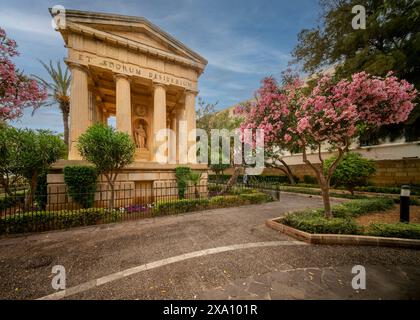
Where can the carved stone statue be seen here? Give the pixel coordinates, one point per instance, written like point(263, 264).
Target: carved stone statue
point(140, 136)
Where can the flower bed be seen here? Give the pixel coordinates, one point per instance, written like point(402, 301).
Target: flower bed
point(344, 221)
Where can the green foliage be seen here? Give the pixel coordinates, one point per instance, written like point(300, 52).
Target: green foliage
point(391, 41)
point(395, 230)
point(188, 205)
point(353, 170)
point(46, 220)
point(180, 206)
point(38, 150)
point(182, 174)
point(309, 180)
point(281, 179)
point(255, 198)
point(194, 177)
point(314, 221)
point(7, 201)
point(28, 154)
point(379, 189)
point(41, 193)
point(106, 148)
point(209, 119)
point(219, 168)
point(360, 207)
point(9, 157)
point(59, 91)
point(81, 184)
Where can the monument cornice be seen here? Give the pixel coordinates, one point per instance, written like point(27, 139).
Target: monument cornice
point(131, 44)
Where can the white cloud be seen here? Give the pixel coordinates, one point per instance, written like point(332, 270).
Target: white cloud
point(21, 20)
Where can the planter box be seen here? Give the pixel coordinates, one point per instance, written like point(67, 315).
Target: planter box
point(341, 239)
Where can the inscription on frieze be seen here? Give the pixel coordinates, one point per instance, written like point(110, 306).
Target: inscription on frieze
point(129, 69)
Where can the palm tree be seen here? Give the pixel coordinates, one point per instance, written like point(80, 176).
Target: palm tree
point(194, 177)
point(59, 87)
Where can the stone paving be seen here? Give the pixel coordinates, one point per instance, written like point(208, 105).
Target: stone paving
point(270, 272)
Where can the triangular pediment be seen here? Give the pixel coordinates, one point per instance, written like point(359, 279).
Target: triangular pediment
point(130, 31)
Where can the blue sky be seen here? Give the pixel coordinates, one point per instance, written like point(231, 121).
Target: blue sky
point(243, 40)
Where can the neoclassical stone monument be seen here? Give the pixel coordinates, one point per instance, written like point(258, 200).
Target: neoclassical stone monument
point(127, 67)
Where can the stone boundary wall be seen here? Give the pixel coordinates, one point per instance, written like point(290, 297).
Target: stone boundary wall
point(388, 172)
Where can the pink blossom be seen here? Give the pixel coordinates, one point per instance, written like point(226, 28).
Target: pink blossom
point(16, 90)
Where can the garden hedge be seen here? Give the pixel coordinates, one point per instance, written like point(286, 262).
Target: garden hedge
point(49, 220)
point(81, 184)
point(188, 205)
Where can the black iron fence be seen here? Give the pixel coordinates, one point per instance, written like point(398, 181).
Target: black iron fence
point(20, 211)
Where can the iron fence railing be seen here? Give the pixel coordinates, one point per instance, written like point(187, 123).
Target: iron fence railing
point(20, 211)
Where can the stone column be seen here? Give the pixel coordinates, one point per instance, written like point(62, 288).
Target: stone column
point(79, 107)
point(123, 104)
point(191, 122)
point(173, 139)
point(181, 135)
point(159, 114)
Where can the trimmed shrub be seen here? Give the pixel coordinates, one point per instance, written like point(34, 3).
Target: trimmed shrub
point(353, 170)
point(214, 188)
point(7, 201)
point(357, 208)
point(313, 221)
point(310, 180)
point(281, 179)
point(180, 206)
point(188, 205)
point(181, 175)
point(394, 230)
point(41, 191)
point(254, 198)
point(224, 201)
point(48, 220)
point(81, 184)
point(391, 190)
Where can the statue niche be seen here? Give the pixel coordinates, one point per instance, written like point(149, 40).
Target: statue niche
point(140, 134)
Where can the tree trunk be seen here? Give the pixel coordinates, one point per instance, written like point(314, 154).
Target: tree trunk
point(326, 200)
point(30, 196)
point(288, 172)
point(197, 194)
point(112, 197)
point(66, 127)
point(231, 182)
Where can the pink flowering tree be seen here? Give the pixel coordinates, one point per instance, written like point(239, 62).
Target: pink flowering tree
point(17, 91)
point(332, 116)
point(273, 110)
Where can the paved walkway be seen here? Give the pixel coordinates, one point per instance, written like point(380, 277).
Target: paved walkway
point(220, 254)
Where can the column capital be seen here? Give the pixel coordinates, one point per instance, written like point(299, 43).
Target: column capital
point(117, 76)
point(191, 91)
point(76, 65)
point(158, 84)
